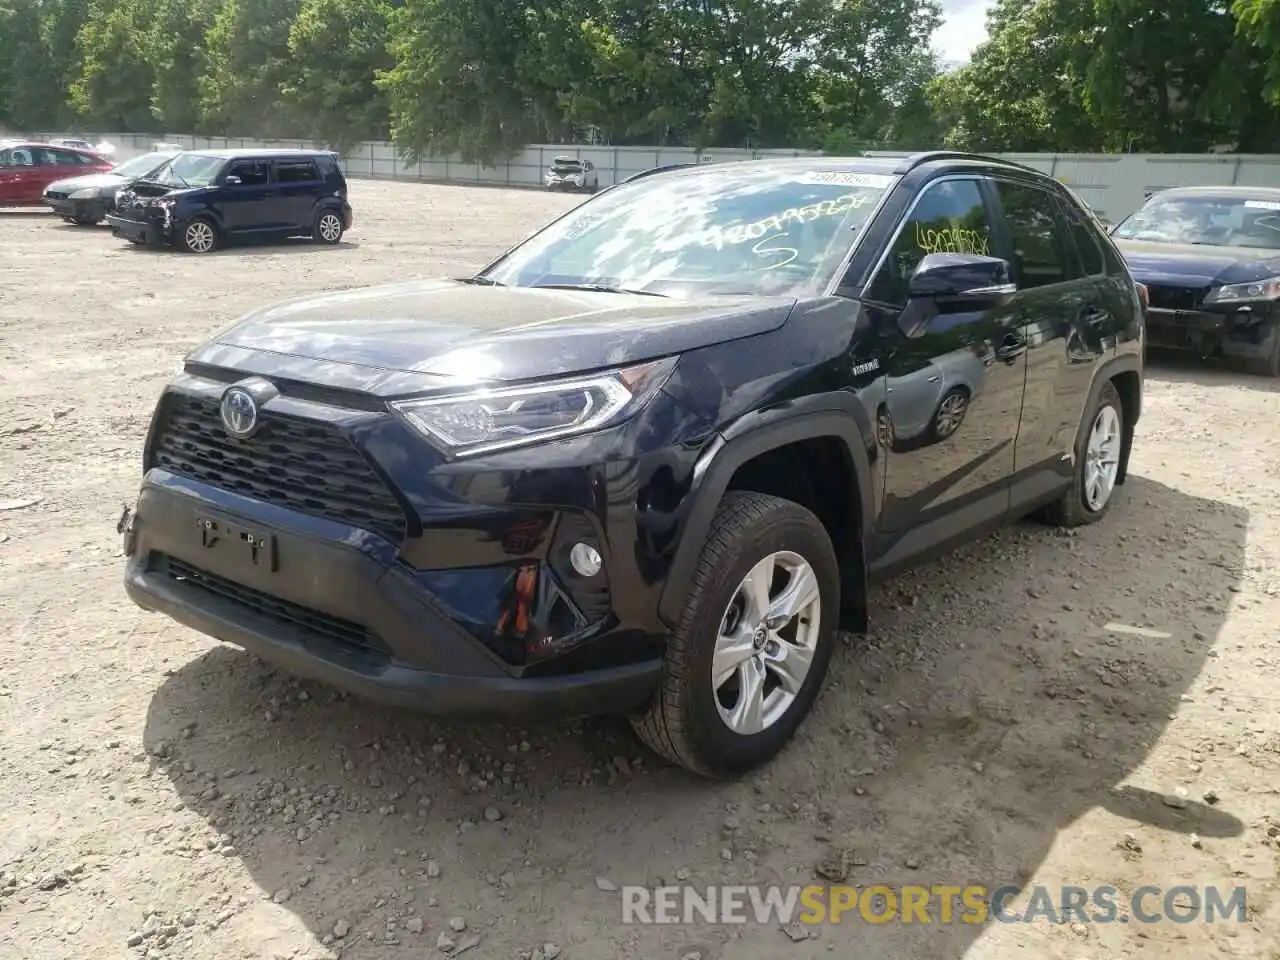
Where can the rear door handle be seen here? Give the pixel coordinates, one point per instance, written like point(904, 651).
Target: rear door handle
point(1093, 316)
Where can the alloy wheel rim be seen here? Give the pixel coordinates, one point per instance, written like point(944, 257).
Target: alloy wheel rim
point(766, 642)
point(951, 413)
point(200, 237)
point(330, 228)
point(1102, 458)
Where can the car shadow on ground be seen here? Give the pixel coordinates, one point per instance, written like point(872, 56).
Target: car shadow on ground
point(291, 245)
point(1008, 689)
point(1173, 366)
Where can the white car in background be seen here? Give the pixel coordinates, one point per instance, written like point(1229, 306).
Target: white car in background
point(102, 149)
point(570, 173)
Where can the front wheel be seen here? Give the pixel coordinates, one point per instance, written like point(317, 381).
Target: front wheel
point(328, 228)
point(748, 658)
point(1099, 446)
point(1269, 366)
point(199, 236)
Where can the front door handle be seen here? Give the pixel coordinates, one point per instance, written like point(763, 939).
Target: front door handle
point(1011, 348)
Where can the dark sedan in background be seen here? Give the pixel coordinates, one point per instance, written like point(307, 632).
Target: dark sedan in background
point(1210, 259)
point(86, 200)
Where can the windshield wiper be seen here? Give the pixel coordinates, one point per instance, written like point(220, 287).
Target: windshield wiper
point(480, 281)
point(596, 288)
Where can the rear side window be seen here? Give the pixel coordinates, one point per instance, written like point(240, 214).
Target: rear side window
point(1086, 239)
point(950, 217)
point(1042, 246)
point(296, 171)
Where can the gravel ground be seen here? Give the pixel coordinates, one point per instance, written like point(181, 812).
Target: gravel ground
point(167, 796)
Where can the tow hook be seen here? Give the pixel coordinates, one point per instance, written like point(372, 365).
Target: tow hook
point(124, 527)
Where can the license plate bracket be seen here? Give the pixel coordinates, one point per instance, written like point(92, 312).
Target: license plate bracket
point(255, 547)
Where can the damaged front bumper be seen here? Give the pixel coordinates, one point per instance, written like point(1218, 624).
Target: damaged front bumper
point(147, 231)
point(1246, 332)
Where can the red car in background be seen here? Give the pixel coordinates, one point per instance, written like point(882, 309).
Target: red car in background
point(26, 168)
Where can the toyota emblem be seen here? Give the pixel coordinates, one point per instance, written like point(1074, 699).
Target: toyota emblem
point(239, 412)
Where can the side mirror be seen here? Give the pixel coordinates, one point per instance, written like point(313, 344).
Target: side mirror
point(232, 181)
point(951, 279)
point(962, 276)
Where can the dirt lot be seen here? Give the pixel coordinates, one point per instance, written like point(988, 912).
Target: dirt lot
point(168, 796)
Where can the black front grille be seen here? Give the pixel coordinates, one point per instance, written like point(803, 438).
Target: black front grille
point(56, 194)
point(284, 612)
point(303, 465)
point(1176, 298)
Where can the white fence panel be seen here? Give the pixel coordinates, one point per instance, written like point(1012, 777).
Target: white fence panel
point(1113, 184)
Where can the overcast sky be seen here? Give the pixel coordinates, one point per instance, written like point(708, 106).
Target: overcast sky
point(963, 29)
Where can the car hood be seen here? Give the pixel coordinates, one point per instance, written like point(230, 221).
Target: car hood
point(409, 336)
point(100, 180)
point(1197, 265)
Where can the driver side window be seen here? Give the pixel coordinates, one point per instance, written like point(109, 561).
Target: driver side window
point(252, 173)
point(950, 217)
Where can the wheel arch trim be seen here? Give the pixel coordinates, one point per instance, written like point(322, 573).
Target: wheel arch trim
point(1106, 373)
point(842, 417)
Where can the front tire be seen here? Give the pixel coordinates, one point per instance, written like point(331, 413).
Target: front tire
point(1099, 446)
point(328, 228)
point(1269, 366)
point(748, 658)
point(199, 236)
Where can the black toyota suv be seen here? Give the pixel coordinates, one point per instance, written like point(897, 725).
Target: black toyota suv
point(203, 198)
point(647, 461)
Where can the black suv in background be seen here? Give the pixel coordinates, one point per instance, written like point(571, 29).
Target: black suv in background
point(649, 477)
point(203, 198)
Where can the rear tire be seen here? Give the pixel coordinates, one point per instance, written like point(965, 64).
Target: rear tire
point(689, 722)
point(328, 228)
point(1099, 444)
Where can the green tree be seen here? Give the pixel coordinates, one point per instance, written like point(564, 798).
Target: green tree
point(1259, 22)
point(246, 62)
point(1023, 89)
point(1174, 76)
point(175, 50)
point(337, 48)
point(113, 90)
point(455, 88)
point(37, 61)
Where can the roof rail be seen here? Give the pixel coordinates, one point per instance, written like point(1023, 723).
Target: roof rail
point(911, 161)
point(652, 170)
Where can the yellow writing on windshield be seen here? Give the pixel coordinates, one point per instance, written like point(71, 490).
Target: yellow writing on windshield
point(951, 240)
point(777, 223)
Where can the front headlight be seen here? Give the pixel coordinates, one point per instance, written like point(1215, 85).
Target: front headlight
point(1257, 291)
point(88, 193)
point(482, 421)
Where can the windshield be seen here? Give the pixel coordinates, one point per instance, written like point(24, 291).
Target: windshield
point(1212, 221)
point(189, 170)
point(140, 165)
point(564, 166)
point(738, 231)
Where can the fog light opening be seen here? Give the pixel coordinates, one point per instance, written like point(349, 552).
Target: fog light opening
point(585, 559)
